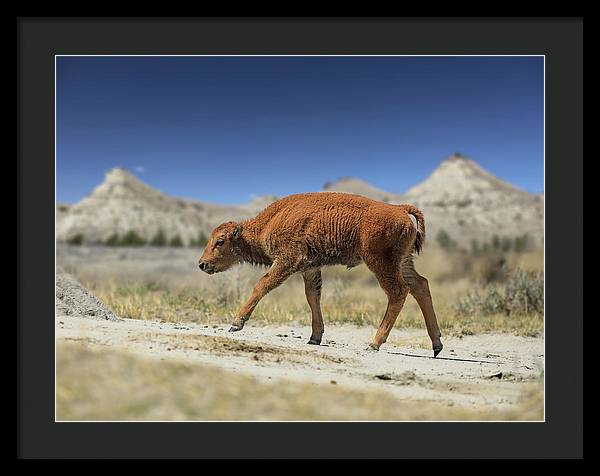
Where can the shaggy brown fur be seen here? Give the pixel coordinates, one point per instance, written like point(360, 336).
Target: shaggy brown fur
point(301, 233)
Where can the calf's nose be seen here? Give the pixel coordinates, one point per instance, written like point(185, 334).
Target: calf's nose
point(201, 265)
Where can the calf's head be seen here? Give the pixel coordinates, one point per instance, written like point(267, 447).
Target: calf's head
point(219, 254)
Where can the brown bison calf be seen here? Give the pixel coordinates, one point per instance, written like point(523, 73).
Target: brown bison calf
point(302, 233)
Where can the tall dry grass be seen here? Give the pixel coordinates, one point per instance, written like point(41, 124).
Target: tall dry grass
point(162, 283)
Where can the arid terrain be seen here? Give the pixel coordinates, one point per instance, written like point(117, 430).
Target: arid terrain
point(485, 376)
point(142, 333)
point(168, 355)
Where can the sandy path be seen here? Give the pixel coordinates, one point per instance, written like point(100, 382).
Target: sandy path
point(489, 371)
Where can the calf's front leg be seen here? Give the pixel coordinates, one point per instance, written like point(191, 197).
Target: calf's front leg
point(273, 278)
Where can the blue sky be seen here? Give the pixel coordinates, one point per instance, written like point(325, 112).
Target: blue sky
point(224, 129)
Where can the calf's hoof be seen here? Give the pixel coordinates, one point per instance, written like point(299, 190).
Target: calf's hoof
point(314, 341)
point(235, 328)
point(437, 348)
point(372, 348)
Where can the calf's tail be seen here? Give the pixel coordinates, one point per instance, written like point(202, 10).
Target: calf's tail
point(420, 239)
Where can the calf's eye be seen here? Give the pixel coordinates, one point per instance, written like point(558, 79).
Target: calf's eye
point(220, 242)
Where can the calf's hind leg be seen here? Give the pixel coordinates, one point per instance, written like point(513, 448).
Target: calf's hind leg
point(419, 288)
point(391, 281)
point(312, 288)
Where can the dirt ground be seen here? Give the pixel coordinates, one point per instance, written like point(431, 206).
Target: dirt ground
point(491, 371)
point(170, 364)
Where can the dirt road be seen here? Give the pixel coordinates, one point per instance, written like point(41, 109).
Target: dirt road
point(484, 371)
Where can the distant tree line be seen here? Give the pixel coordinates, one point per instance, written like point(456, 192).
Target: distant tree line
point(133, 239)
point(518, 244)
point(498, 243)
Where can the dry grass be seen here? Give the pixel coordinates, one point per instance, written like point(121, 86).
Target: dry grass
point(100, 384)
point(166, 285)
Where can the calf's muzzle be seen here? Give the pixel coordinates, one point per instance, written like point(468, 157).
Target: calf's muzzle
point(207, 268)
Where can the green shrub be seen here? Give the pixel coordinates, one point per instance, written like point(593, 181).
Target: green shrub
point(76, 240)
point(494, 268)
point(200, 241)
point(113, 240)
point(522, 243)
point(176, 241)
point(521, 294)
point(444, 240)
point(506, 244)
point(159, 239)
point(496, 242)
point(131, 238)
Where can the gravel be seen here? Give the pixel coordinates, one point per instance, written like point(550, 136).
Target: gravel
point(72, 299)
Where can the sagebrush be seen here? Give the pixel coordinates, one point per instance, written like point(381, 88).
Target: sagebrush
point(522, 293)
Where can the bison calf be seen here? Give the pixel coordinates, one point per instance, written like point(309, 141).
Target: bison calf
point(301, 233)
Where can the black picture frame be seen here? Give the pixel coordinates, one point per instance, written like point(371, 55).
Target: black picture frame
point(560, 40)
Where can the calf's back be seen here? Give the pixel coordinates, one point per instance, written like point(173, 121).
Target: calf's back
point(326, 228)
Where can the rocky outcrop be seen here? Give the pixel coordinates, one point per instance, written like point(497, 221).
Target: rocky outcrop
point(467, 202)
point(459, 198)
point(122, 203)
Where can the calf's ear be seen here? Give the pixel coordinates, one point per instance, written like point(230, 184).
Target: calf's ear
point(237, 231)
